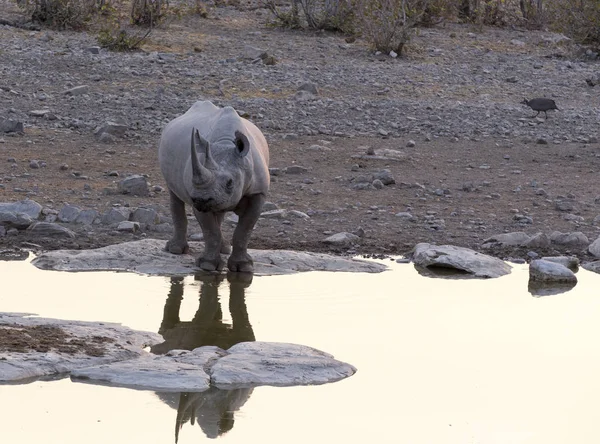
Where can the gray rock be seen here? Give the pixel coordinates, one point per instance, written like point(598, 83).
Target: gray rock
point(68, 213)
point(51, 229)
point(274, 214)
point(11, 126)
point(309, 87)
point(87, 217)
point(342, 238)
point(296, 169)
point(116, 215)
point(575, 239)
point(550, 272)
point(538, 240)
point(19, 221)
point(514, 239)
point(377, 184)
point(113, 128)
point(594, 248)
point(460, 259)
point(78, 90)
point(385, 176)
point(251, 364)
point(29, 207)
point(19, 214)
point(157, 373)
point(247, 364)
point(135, 185)
point(147, 256)
point(121, 344)
point(145, 216)
point(39, 112)
point(406, 215)
point(594, 266)
point(298, 214)
point(571, 262)
point(268, 206)
point(564, 205)
point(128, 226)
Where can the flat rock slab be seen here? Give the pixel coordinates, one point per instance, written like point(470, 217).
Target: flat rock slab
point(158, 373)
point(250, 364)
point(460, 259)
point(32, 347)
point(245, 365)
point(147, 256)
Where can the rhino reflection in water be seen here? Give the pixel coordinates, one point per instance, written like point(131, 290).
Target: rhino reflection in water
point(213, 409)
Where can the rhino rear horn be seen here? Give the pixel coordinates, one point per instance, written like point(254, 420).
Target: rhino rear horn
point(201, 175)
point(242, 143)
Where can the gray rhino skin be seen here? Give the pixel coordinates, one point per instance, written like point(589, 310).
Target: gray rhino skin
point(215, 161)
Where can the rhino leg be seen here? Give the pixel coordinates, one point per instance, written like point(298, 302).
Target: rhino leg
point(249, 210)
point(178, 243)
point(210, 260)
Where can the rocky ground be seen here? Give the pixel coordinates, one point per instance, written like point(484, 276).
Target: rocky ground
point(433, 147)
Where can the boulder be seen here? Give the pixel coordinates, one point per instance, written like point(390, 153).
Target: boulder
point(575, 239)
point(251, 364)
point(550, 272)
point(135, 185)
point(594, 248)
point(86, 217)
point(342, 238)
point(68, 213)
point(245, 365)
point(100, 343)
point(538, 240)
point(147, 256)
point(29, 207)
point(51, 229)
point(11, 126)
point(460, 259)
point(145, 216)
point(515, 239)
point(571, 262)
point(116, 215)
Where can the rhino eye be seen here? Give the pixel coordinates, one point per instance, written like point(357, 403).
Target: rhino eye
point(239, 144)
point(229, 185)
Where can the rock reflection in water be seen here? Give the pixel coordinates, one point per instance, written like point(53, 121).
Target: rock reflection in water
point(213, 409)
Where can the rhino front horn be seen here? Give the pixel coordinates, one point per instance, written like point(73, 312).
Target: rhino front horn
point(200, 174)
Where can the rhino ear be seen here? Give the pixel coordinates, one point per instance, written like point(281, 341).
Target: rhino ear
point(242, 143)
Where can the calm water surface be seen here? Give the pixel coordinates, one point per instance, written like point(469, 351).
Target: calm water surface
point(439, 361)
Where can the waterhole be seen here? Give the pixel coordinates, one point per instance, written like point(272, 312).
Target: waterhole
point(439, 360)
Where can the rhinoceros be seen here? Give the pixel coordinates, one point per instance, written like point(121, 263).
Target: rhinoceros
point(215, 161)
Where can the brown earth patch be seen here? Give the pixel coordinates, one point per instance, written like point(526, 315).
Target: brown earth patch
point(45, 338)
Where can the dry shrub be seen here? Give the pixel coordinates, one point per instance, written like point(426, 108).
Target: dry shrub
point(389, 24)
point(148, 12)
point(578, 19)
point(332, 15)
point(60, 14)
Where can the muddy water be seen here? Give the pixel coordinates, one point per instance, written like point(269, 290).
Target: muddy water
point(439, 361)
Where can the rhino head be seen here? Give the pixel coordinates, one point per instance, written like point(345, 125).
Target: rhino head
point(217, 186)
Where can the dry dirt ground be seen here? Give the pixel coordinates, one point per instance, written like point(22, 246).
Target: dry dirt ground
point(480, 197)
point(458, 192)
